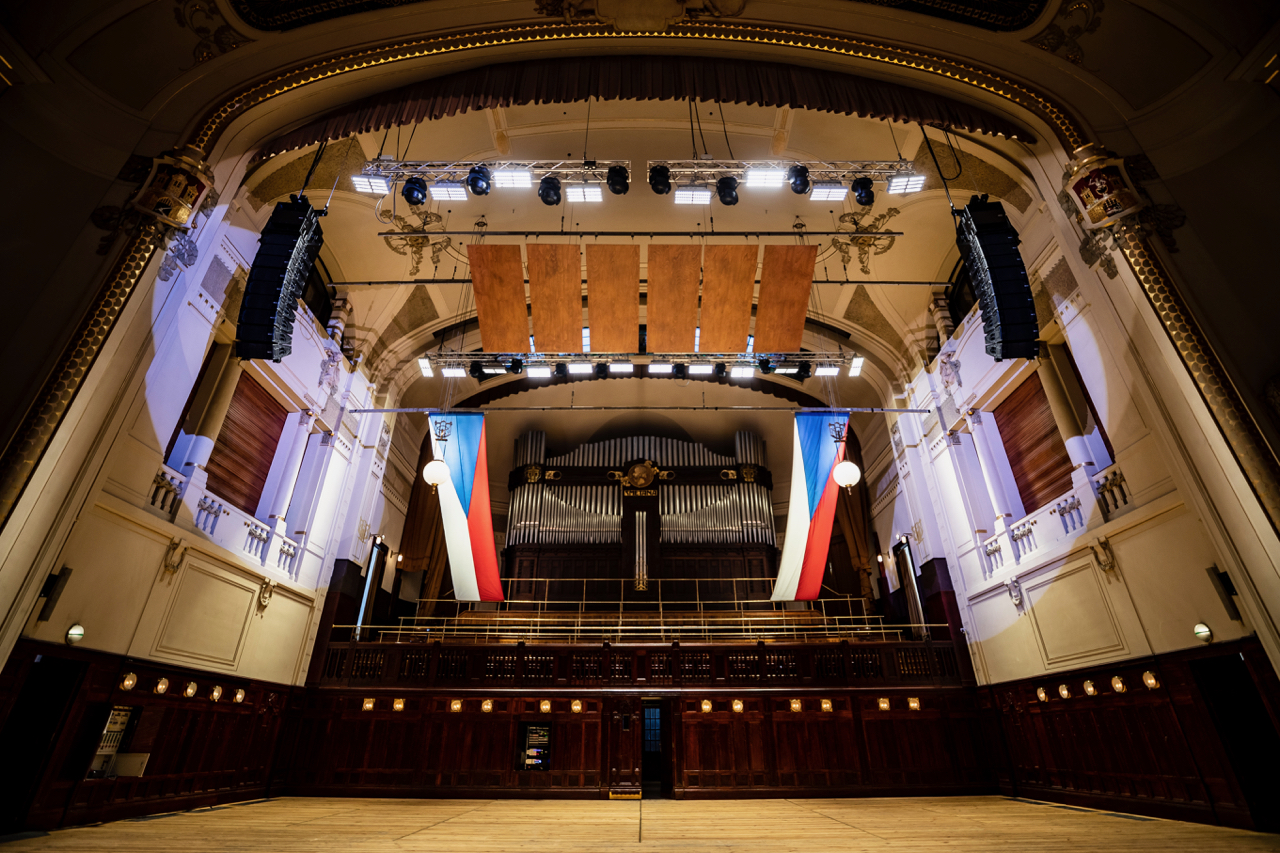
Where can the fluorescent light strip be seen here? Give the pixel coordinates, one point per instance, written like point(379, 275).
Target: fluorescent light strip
point(375, 184)
point(512, 178)
point(454, 372)
point(906, 184)
point(579, 367)
point(583, 193)
point(693, 194)
point(424, 364)
point(741, 372)
point(701, 369)
point(855, 366)
point(539, 372)
point(660, 367)
point(765, 177)
point(826, 370)
point(622, 367)
point(786, 369)
point(828, 192)
point(445, 191)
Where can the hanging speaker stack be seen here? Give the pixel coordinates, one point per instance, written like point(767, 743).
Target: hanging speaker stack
point(287, 251)
point(989, 245)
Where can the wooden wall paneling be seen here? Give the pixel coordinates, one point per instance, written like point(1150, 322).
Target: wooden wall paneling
point(555, 296)
point(613, 298)
point(246, 445)
point(1037, 454)
point(728, 286)
point(671, 307)
point(497, 281)
point(786, 277)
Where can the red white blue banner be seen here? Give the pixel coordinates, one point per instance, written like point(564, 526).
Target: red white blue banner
point(812, 510)
point(464, 504)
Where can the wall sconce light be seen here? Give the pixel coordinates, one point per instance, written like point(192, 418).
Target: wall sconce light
point(883, 704)
point(706, 706)
point(826, 705)
point(487, 706)
point(215, 694)
point(397, 704)
point(1064, 691)
point(239, 697)
point(1117, 684)
point(367, 706)
point(1041, 695)
point(913, 703)
point(737, 706)
point(455, 706)
point(575, 706)
point(1149, 679)
point(545, 706)
point(162, 685)
point(796, 707)
point(75, 634)
point(129, 681)
point(190, 689)
point(1203, 633)
point(1090, 689)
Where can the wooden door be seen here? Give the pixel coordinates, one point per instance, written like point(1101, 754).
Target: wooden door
point(624, 746)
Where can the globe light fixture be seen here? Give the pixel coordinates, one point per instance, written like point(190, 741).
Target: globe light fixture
point(435, 473)
point(846, 475)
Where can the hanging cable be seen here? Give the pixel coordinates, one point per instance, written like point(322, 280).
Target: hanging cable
point(693, 143)
point(939, 168)
point(324, 143)
point(410, 142)
point(704, 139)
point(955, 155)
point(725, 128)
point(586, 136)
point(894, 137)
point(384, 140)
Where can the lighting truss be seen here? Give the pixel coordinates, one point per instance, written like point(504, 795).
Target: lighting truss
point(736, 365)
point(506, 173)
point(772, 173)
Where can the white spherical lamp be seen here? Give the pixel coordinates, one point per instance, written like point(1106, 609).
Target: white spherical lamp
point(846, 475)
point(435, 473)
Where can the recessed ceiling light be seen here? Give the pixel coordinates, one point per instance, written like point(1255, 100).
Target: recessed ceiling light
point(590, 192)
point(448, 191)
point(514, 178)
point(828, 192)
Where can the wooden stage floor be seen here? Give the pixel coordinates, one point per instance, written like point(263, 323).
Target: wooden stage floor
point(953, 824)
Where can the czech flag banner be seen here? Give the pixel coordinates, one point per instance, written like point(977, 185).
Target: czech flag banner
point(812, 510)
point(464, 504)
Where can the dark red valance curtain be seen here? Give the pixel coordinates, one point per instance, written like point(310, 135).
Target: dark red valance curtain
point(644, 78)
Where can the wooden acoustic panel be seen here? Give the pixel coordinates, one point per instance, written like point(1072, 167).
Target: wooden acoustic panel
point(728, 284)
point(671, 314)
point(246, 446)
point(555, 297)
point(497, 280)
point(786, 278)
point(1037, 455)
point(613, 298)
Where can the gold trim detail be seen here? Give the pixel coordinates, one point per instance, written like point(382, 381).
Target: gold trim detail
point(1237, 426)
point(46, 415)
point(1054, 114)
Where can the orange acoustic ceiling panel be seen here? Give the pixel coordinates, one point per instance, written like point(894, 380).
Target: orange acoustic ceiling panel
point(671, 311)
point(786, 277)
point(613, 298)
point(728, 283)
point(497, 279)
point(555, 297)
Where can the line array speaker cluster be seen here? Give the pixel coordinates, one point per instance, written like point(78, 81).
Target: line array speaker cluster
point(287, 251)
point(989, 244)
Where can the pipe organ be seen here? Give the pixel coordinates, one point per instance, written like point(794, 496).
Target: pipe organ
point(640, 508)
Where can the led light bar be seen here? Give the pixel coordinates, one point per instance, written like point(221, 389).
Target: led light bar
point(786, 368)
point(579, 367)
point(494, 369)
point(447, 191)
point(693, 194)
point(424, 364)
point(538, 372)
point(660, 367)
point(855, 366)
point(765, 177)
point(621, 367)
point(375, 184)
point(826, 370)
point(701, 369)
point(512, 178)
point(906, 184)
point(454, 372)
point(590, 192)
point(828, 192)
point(742, 371)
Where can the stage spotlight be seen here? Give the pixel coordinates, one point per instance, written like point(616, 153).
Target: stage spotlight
point(479, 180)
point(476, 369)
point(799, 177)
point(804, 372)
point(515, 366)
point(549, 190)
point(660, 179)
point(727, 190)
point(863, 193)
point(827, 370)
point(415, 191)
point(562, 369)
point(721, 369)
point(616, 180)
point(602, 370)
point(680, 371)
point(765, 365)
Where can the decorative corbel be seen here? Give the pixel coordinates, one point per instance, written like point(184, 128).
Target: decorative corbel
point(1103, 554)
point(173, 556)
point(265, 592)
point(1015, 593)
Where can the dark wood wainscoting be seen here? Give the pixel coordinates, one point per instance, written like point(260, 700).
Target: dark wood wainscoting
point(201, 752)
point(1170, 751)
